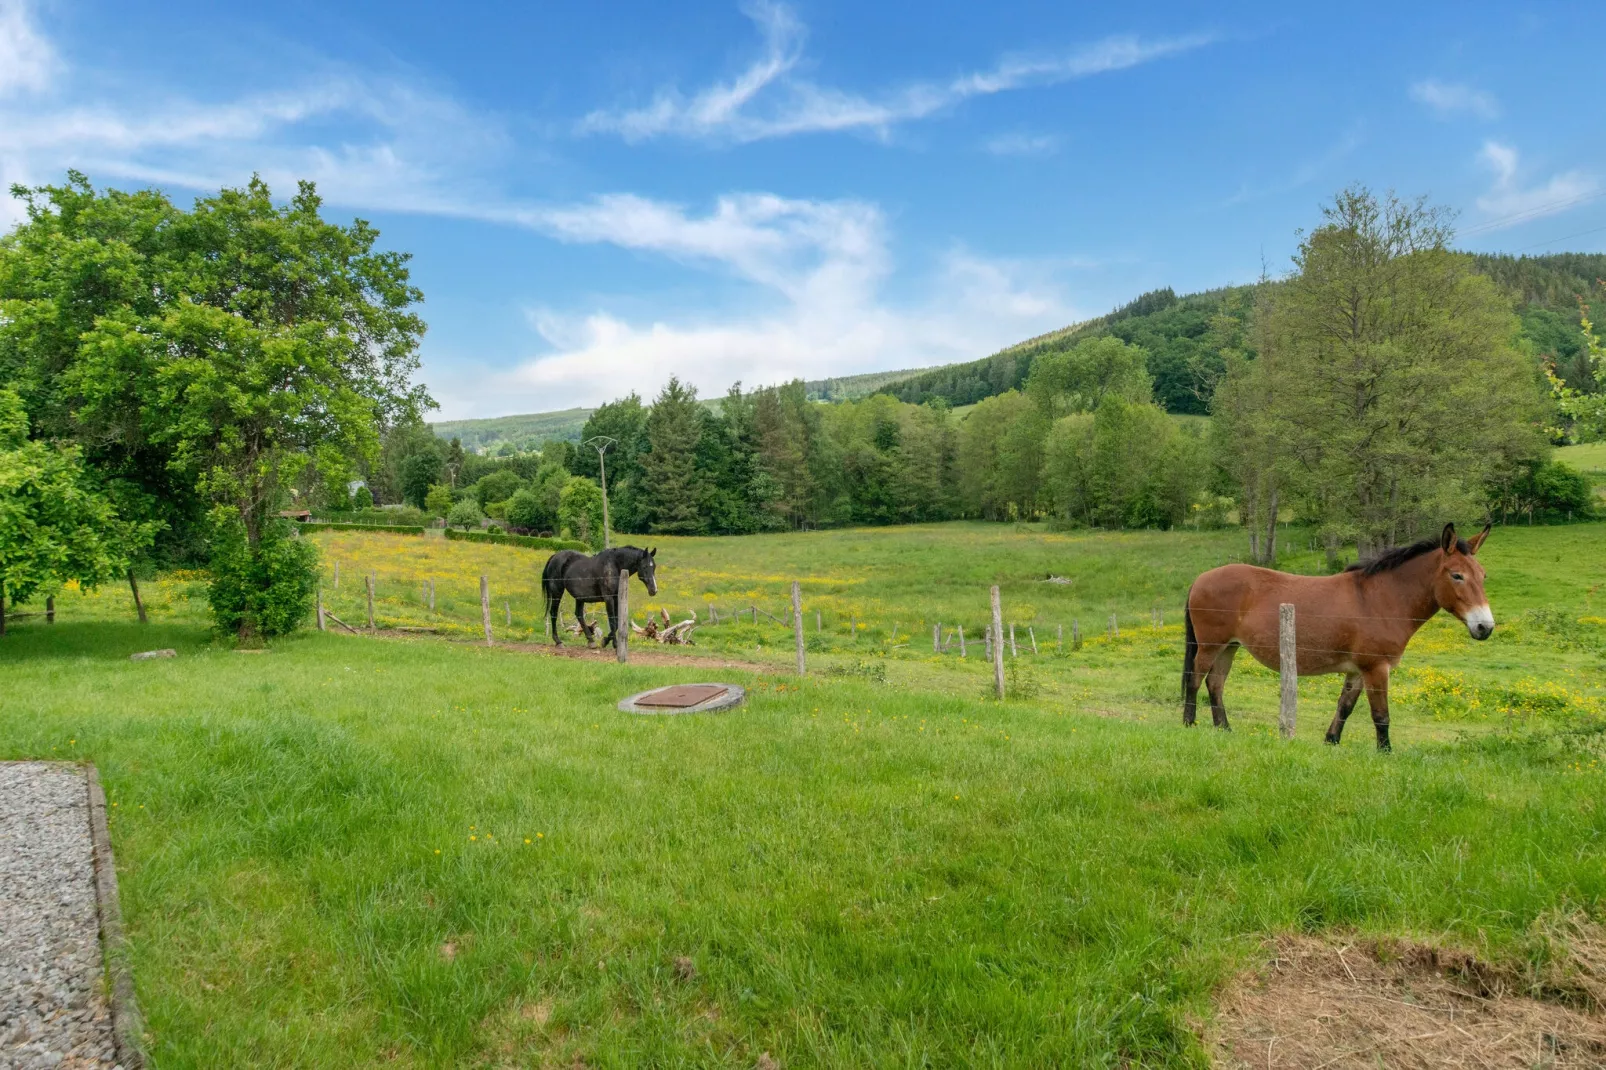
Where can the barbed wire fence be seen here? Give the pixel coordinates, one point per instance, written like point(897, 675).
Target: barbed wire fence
point(515, 612)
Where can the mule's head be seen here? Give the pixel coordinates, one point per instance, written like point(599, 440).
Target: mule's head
point(1459, 583)
point(646, 566)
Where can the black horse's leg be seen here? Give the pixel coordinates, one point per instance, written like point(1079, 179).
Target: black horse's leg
point(580, 618)
point(612, 606)
point(1216, 683)
point(1346, 702)
point(552, 605)
point(1377, 697)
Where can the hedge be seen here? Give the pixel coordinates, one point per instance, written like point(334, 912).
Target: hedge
point(535, 542)
point(392, 529)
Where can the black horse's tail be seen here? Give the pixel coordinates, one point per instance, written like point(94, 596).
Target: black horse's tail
point(1190, 649)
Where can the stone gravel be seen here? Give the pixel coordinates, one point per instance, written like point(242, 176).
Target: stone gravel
point(53, 1007)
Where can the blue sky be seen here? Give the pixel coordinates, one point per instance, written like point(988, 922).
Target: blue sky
point(600, 195)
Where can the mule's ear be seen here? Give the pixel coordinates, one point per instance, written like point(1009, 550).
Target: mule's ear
point(1447, 540)
point(1477, 540)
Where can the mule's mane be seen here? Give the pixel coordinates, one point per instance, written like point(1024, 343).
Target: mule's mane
point(1399, 555)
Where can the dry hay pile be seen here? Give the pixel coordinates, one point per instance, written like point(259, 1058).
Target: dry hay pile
point(1324, 1006)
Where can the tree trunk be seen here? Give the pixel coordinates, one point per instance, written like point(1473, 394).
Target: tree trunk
point(139, 606)
point(1270, 546)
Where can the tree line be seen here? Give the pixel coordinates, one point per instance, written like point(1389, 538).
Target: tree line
point(1384, 384)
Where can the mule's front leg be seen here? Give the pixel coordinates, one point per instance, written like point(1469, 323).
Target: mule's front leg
point(1377, 697)
point(1347, 698)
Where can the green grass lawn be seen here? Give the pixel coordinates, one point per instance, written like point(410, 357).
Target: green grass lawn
point(324, 862)
point(1589, 457)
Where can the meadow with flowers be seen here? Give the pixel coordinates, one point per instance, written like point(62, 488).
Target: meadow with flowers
point(415, 850)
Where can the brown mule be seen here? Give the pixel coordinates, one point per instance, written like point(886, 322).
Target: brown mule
point(1356, 623)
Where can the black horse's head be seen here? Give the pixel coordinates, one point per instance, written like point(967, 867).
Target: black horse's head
point(645, 568)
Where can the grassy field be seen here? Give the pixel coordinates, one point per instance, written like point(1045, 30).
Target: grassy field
point(1589, 457)
point(351, 851)
point(1546, 584)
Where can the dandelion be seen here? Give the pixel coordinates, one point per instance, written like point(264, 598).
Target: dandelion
point(528, 840)
point(473, 837)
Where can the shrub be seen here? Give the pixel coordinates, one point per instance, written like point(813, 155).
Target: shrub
point(499, 486)
point(526, 510)
point(263, 591)
point(580, 510)
point(502, 539)
point(389, 529)
point(438, 502)
point(363, 499)
point(496, 510)
point(465, 514)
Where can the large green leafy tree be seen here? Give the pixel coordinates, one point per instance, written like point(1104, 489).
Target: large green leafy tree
point(671, 490)
point(223, 349)
point(624, 421)
point(1395, 383)
point(55, 526)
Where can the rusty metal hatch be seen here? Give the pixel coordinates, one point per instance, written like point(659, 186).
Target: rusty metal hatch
point(681, 696)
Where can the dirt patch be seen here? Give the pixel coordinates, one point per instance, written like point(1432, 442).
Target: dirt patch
point(1319, 1005)
point(639, 653)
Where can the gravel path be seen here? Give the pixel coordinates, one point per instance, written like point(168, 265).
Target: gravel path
point(53, 1008)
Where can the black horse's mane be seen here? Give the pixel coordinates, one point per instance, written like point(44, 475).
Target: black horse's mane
point(1399, 555)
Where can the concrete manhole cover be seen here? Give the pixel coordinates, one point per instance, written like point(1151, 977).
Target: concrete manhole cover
point(685, 698)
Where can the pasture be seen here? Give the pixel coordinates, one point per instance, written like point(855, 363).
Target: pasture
point(350, 850)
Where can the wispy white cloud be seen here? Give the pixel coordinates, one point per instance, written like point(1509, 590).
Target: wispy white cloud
point(770, 99)
point(27, 59)
point(823, 262)
point(1022, 144)
point(1447, 99)
point(1509, 203)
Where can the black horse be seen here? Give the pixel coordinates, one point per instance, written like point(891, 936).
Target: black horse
point(593, 579)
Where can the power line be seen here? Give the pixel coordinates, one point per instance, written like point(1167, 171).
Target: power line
point(1536, 212)
point(1564, 237)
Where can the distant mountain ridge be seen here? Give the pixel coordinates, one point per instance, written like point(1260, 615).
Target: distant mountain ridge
point(1176, 332)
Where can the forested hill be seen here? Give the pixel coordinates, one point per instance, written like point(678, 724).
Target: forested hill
point(1184, 335)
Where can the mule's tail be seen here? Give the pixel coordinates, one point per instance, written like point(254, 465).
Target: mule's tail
point(1190, 649)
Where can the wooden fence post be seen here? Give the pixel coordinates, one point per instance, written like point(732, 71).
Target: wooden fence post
point(987, 638)
point(797, 623)
point(1076, 634)
point(998, 645)
point(621, 631)
point(508, 608)
point(1033, 635)
point(320, 610)
point(1059, 638)
point(853, 627)
point(485, 607)
point(432, 596)
point(369, 579)
point(337, 575)
point(1013, 652)
point(1288, 670)
point(1115, 627)
point(816, 622)
point(936, 638)
point(961, 640)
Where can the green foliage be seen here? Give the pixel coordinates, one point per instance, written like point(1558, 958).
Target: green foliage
point(1392, 386)
point(499, 486)
point(1125, 465)
point(54, 524)
point(1550, 491)
point(1585, 408)
point(438, 500)
point(671, 489)
point(528, 510)
point(420, 472)
point(580, 510)
point(1000, 457)
point(1078, 379)
point(363, 498)
point(534, 542)
point(465, 514)
point(264, 589)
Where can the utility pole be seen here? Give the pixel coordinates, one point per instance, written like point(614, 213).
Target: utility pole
point(600, 443)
